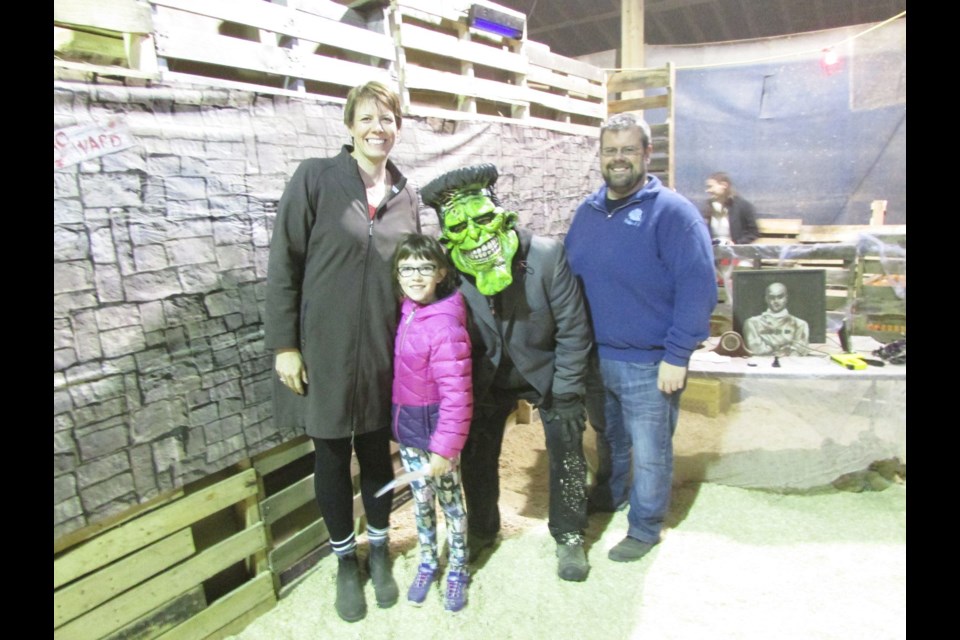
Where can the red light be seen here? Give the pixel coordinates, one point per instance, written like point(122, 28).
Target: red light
point(830, 61)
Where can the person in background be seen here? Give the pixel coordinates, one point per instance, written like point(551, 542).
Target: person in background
point(730, 217)
point(331, 317)
point(432, 407)
point(644, 257)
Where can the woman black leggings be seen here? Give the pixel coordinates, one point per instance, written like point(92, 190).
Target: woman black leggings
point(334, 486)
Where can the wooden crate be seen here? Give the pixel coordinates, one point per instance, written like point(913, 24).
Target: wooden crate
point(708, 396)
point(147, 577)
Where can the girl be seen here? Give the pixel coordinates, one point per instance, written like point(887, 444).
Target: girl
point(432, 406)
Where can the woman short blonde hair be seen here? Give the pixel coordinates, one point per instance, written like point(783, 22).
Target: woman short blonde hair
point(375, 91)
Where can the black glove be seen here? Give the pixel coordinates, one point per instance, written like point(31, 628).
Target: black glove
point(568, 410)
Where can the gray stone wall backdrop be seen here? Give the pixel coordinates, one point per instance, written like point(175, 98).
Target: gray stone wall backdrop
point(160, 256)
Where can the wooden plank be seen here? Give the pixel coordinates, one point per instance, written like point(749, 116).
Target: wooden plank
point(329, 9)
point(847, 232)
point(787, 253)
point(152, 526)
point(136, 602)
point(567, 104)
point(540, 55)
point(92, 591)
point(249, 513)
point(875, 265)
point(639, 104)
point(634, 80)
point(567, 83)
point(287, 500)
point(288, 21)
point(250, 596)
point(421, 39)
point(239, 624)
point(278, 457)
point(232, 52)
point(779, 226)
point(120, 16)
point(80, 535)
point(286, 554)
point(444, 82)
point(83, 45)
point(445, 10)
point(423, 78)
point(66, 68)
point(163, 618)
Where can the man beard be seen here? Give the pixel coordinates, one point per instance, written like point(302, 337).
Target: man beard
point(623, 183)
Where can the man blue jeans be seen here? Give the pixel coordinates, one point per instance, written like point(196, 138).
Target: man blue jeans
point(640, 421)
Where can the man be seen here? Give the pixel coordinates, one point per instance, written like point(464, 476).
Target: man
point(646, 264)
point(775, 332)
point(530, 341)
point(730, 217)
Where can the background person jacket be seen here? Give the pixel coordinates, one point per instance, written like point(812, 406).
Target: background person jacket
point(330, 294)
point(743, 219)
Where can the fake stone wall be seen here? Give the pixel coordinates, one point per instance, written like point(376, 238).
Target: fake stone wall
point(164, 200)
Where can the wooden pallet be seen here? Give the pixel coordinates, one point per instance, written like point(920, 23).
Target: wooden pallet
point(201, 562)
point(146, 576)
point(440, 65)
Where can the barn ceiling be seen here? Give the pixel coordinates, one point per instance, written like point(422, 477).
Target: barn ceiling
point(579, 27)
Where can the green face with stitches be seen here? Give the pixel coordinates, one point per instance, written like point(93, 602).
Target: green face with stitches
point(481, 240)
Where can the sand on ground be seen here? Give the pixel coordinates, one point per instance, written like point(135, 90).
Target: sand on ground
point(734, 563)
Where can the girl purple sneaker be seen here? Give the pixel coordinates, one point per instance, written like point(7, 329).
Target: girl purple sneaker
point(457, 581)
point(421, 584)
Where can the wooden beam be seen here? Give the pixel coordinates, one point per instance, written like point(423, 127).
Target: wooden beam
point(639, 104)
point(645, 79)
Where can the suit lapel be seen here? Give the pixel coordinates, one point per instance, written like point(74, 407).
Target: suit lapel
point(516, 292)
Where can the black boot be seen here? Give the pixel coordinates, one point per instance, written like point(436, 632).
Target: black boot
point(384, 586)
point(351, 605)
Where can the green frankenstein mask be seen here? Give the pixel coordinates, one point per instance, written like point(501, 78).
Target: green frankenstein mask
point(476, 229)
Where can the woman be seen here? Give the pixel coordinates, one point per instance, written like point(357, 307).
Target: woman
point(330, 319)
point(729, 216)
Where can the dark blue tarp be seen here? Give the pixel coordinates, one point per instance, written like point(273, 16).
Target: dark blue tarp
point(797, 142)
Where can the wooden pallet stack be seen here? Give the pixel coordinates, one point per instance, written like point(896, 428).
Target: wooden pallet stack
point(201, 562)
point(649, 90)
point(153, 573)
point(441, 65)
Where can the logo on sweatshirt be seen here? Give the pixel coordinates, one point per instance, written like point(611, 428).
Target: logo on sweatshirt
point(633, 218)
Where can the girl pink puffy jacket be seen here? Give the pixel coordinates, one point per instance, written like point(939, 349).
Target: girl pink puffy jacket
point(432, 380)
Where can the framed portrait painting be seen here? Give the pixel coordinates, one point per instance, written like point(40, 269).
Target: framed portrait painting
point(780, 311)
